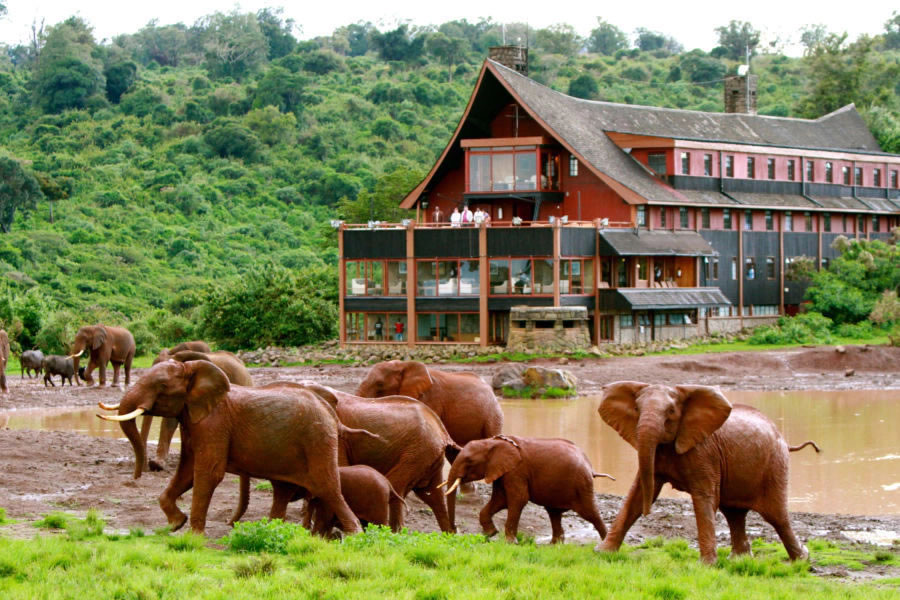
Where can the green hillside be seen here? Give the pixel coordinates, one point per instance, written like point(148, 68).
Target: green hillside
point(191, 172)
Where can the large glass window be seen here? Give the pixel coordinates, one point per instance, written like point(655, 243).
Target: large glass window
point(500, 277)
point(503, 168)
point(621, 273)
point(426, 278)
point(520, 276)
point(576, 275)
point(447, 278)
point(355, 278)
point(376, 327)
point(479, 172)
point(526, 171)
point(502, 172)
point(543, 276)
point(469, 278)
point(447, 327)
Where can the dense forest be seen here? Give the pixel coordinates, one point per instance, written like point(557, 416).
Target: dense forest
point(180, 180)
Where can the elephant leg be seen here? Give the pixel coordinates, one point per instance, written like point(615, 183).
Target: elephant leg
point(116, 367)
point(515, 504)
point(628, 514)
point(102, 369)
point(434, 498)
point(146, 423)
point(325, 483)
point(181, 482)
point(737, 518)
point(282, 493)
point(167, 429)
point(780, 520)
point(586, 508)
point(128, 360)
point(559, 535)
point(494, 505)
point(705, 513)
point(206, 478)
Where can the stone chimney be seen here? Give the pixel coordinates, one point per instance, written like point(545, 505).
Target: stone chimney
point(514, 57)
point(740, 94)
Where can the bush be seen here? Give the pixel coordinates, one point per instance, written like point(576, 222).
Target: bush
point(803, 329)
point(862, 330)
point(264, 535)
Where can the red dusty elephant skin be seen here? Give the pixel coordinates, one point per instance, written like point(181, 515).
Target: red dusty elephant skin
point(553, 473)
point(369, 495)
point(728, 458)
point(105, 345)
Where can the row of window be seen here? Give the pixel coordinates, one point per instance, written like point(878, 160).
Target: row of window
point(429, 327)
point(711, 267)
point(850, 174)
point(459, 277)
point(728, 219)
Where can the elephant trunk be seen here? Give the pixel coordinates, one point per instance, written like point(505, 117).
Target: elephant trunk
point(648, 435)
point(129, 428)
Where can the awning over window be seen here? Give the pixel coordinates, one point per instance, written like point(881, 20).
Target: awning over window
point(643, 242)
point(626, 299)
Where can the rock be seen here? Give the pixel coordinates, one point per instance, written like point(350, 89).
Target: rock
point(840, 350)
point(849, 372)
point(509, 375)
point(542, 378)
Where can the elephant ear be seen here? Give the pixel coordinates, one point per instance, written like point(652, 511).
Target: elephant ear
point(99, 337)
point(704, 409)
point(206, 385)
point(618, 407)
point(502, 458)
point(189, 355)
point(415, 380)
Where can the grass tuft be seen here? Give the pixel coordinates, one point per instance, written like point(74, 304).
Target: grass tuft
point(263, 486)
point(91, 526)
point(54, 520)
point(187, 542)
point(259, 566)
point(264, 535)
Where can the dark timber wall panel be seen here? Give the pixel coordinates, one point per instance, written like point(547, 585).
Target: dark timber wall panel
point(365, 243)
point(505, 303)
point(726, 244)
point(520, 241)
point(799, 244)
point(586, 301)
point(759, 245)
point(827, 241)
point(367, 304)
point(459, 242)
point(578, 241)
point(446, 304)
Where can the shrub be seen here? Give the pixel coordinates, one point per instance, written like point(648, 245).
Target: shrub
point(265, 535)
point(188, 542)
point(91, 526)
point(54, 520)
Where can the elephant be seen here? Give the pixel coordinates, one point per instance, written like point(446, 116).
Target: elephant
point(466, 404)
point(4, 359)
point(196, 346)
point(105, 344)
point(727, 457)
point(31, 360)
point(551, 472)
point(369, 495)
point(230, 364)
point(63, 366)
point(410, 451)
point(266, 433)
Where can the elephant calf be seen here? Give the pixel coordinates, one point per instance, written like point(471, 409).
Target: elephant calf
point(63, 366)
point(368, 494)
point(553, 473)
point(31, 360)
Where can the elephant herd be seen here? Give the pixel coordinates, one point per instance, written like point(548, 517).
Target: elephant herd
point(355, 457)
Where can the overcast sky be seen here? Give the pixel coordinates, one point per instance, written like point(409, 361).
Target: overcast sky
point(692, 23)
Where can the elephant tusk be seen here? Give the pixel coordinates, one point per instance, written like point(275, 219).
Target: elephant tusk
point(453, 487)
point(132, 415)
point(440, 485)
point(76, 355)
point(108, 406)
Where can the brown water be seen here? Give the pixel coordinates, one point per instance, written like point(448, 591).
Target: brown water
point(858, 471)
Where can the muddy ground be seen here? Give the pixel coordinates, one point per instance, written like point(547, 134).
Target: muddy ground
point(45, 471)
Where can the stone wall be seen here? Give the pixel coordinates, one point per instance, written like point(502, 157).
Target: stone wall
point(528, 330)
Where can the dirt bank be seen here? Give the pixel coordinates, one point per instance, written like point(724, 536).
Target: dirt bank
point(45, 471)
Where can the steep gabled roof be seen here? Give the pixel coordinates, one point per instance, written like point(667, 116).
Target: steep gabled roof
point(581, 126)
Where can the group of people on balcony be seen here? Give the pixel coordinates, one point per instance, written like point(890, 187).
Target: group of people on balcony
point(462, 218)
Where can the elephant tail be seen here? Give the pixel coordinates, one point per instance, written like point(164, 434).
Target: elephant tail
point(804, 445)
point(396, 498)
point(351, 434)
point(595, 475)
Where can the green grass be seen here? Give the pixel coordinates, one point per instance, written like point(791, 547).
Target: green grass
point(714, 346)
point(378, 564)
point(532, 392)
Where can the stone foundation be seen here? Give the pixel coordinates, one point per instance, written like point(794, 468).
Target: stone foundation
point(548, 329)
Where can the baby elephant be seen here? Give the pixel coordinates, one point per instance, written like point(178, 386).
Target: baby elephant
point(31, 360)
point(58, 365)
point(368, 494)
point(554, 473)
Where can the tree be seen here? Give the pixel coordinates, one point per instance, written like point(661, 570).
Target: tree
point(19, 189)
point(281, 41)
point(234, 44)
point(811, 37)
point(606, 39)
point(892, 31)
point(737, 37)
point(119, 79)
point(446, 49)
point(399, 44)
point(559, 39)
point(68, 74)
point(583, 86)
point(701, 68)
point(647, 41)
point(382, 203)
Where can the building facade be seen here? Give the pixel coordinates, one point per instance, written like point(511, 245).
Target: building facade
point(660, 222)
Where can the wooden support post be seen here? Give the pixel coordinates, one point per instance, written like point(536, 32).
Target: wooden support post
point(781, 261)
point(484, 287)
point(740, 273)
point(557, 245)
point(342, 286)
point(598, 271)
point(411, 328)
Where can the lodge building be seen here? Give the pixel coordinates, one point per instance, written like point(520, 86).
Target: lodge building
point(660, 222)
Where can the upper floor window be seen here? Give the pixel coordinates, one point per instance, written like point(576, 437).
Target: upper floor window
point(704, 217)
point(894, 179)
point(683, 216)
point(876, 177)
point(707, 164)
point(770, 267)
point(770, 168)
point(573, 166)
point(770, 221)
point(829, 172)
point(748, 220)
point(507, 168)
point(857, 176)
point(860, 223)
point(788, 221)
point(845, 174)
point(791, 175)
point(657, 162)
point(750, 267)
point(807, 218)
point(685, 163)
point(576, 276)
point(876, 223)
point(662, 216)
point(447, 277)
point(521, 276)
point(751, 167)
point(375, 278)
point(810, 170)
point(642, 216)
point(726, 218)
point(826, 221)
point(729, 166)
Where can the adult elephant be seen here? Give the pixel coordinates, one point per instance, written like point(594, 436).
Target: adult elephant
point(234, 370)
point(4, 359)
point(195, 345)
point(266, 433)
point(730, 458)
point(105, 344)
point(466, 404)
point(409, 450)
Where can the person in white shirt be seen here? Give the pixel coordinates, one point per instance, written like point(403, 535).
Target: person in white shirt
point(467, 215)
point(479, 216)
point(455, 217)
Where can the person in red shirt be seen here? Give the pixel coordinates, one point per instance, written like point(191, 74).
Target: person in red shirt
point(398, 331)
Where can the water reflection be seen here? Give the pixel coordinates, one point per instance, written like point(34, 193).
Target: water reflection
point(858, 471)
